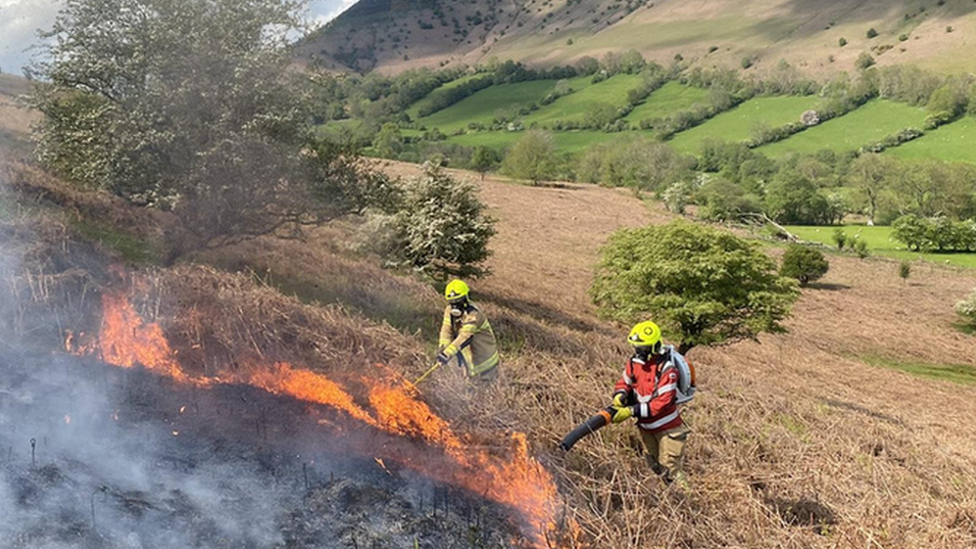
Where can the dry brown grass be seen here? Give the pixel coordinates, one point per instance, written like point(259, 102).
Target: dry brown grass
point(796, 442)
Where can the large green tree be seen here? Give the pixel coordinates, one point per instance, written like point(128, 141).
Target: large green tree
point(704, 285)
point(189, 105)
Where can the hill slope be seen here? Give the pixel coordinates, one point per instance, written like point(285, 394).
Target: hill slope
point(392, 35)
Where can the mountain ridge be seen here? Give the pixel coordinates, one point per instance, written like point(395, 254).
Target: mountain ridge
point(395, 35)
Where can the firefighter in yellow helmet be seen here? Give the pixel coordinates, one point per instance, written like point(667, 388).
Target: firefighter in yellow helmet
point(467, 335)
point(649, 391)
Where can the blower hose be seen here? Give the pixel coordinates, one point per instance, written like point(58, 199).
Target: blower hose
point(588, 427)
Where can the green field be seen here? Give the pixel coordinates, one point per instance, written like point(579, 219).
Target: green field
point(880, 242)
point(865, 125)
point(671, 97)
point(412, 111)
point(955, 142)
point(738, 123)
point(955, 373)
point(574, 106)
point(483, 105)
point(566, 142)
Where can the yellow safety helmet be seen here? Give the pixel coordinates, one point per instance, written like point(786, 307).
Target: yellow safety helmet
point(645, 334)
point(456, 290)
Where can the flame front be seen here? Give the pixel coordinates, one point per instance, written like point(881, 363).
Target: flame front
point(516, 480)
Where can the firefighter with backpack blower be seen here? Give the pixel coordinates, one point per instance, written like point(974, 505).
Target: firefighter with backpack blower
point(655, 381)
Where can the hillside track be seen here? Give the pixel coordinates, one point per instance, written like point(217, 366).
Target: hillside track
point(798, 441)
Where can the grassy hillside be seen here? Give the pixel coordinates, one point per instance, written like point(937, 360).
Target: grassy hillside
point(415, 108)
point(481, 107)
point(738, 123)
point(862, 126)
point(952, 142)
point(671, 97)
point(574, 106)
point(393, 35)
point(766, 475)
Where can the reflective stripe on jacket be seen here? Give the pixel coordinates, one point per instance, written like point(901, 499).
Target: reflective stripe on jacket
point(653, 386)
point(472, 336)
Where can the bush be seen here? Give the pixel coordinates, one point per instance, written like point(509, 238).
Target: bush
point(440, 227)
point(905, 269)
point(864, 61)
point(840, 238)
point(703, 285)
point(804, 264)
point(872, 33)
point(860, 248)
point(967, 309)
point(842, 42)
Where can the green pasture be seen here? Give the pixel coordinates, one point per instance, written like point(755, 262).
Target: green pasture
point(881, 243)
point(483, 105)
point(444, 88)
point(574, 106)
point(738, 123)
point(860, 127)
point(671, 97)
point(955, 142)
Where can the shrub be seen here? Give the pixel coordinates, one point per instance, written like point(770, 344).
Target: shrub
point(872, 33)
point(804, 264)
point(904, 269)
point(967, 309)
point(840, 238)
point(746, 62)
point(860, 248)
point(842, 42)
point(864, 61)
point(440, 227)
point(902, 37)
point(809, 118)
point(703, 285)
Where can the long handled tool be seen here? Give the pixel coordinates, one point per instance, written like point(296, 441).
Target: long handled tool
point(588, 427)
point(428, 372)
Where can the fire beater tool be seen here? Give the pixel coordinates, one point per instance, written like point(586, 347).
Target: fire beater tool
point(595, 423)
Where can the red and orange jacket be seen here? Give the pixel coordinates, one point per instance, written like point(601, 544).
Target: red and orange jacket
point(651, 387)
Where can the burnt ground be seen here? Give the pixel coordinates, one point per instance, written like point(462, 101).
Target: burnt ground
point(124, 459)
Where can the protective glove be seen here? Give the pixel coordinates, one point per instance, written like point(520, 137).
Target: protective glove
point(623, 414)
point(618, 400)
point(442, 358)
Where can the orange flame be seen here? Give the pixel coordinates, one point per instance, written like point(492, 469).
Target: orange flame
point(516, 480)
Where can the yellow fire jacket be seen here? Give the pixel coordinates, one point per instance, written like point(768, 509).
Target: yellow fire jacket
point(471, 336)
